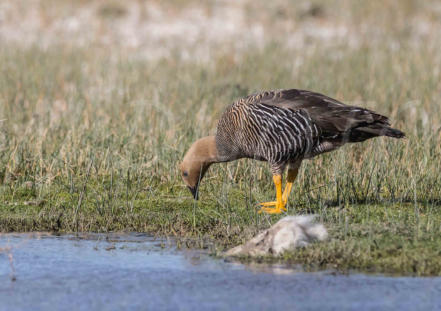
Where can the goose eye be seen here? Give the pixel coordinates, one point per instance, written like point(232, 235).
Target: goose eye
point(185, 174)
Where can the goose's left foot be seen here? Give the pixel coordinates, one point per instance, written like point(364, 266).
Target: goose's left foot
point(277, 209)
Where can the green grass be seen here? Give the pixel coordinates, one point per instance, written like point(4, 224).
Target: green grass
point(90, 141)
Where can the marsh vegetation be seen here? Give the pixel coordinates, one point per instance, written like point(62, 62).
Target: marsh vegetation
point(91, 131)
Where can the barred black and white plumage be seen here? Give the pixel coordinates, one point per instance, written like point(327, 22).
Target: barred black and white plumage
point(290, 125)
point(283, 128)
point(265, 132)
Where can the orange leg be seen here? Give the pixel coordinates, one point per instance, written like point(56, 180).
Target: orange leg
point(282, 199)
point(292, 175)
point(279, 205)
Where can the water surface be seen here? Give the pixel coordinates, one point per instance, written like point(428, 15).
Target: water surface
point(135, 271)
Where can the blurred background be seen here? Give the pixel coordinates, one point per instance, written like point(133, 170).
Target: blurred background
point(107, 96)
point(204, 30)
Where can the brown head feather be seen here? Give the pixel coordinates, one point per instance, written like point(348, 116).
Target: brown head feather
point(196, 161)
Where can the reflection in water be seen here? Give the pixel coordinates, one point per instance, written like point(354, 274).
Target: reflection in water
point(273, 268)
point(121, 271)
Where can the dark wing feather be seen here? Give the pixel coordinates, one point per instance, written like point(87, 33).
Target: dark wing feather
point(334, 118)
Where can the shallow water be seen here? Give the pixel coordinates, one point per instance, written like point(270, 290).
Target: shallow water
point(131, 272)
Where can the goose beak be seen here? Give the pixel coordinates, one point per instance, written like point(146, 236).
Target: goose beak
point(194, 191)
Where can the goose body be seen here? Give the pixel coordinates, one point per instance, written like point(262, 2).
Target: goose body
point(283, 127)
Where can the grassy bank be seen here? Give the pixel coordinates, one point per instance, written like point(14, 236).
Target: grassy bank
point(98, 106)
point(91, 142)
